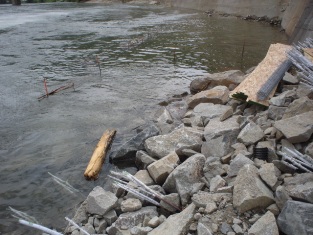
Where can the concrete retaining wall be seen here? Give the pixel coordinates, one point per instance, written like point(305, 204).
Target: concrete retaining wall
point(296, 15)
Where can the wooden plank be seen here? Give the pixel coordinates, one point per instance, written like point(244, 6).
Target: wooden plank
point(249, 87)
point(308, 53)
point(97, 159)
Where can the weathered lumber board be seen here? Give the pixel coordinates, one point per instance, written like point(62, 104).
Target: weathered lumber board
point(97, 159)
point(308, 52)
point(248, 88)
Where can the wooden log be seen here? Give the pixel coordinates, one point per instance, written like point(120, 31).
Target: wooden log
point(97, 159)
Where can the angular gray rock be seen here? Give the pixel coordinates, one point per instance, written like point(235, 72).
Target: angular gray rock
point(207, 111)
point(144, 177)
point(130, 205)
point(131, 219)
point(177, 224)
point(266, 225)
point(309, 150)
point(299, 106)
point(160, 146)
point(300, 186)
point(140, 230)
point(143, 160)
point(296, 129)
point(161, 169)
point(173, 198)
point(284, 166)
point(269, 174)
point(237, 163)
point(275, 112)
point(201, 198)
point(290, 79)
point(249, 190)
point(164, 121)
point(204, 228)
point(283, 99)
point(128, 150)
point(296, 218)
point(281, 196)
point(216, 183)
point(228, 78)
point(99, 201)
point(110, 217)
point(250, 134)
point(164, 116)
point(199, 84)
point(220, 136)
point(186, 178)
point(212, 168)
point(216, 95)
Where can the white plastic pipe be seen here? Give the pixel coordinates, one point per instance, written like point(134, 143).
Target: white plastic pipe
point(39, 227)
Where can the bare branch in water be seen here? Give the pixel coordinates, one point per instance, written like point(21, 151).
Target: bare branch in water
point(22, 215)
point(64, 184)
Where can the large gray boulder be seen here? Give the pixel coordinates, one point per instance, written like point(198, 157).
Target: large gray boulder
point(299, 106)
point(128, 150)
point(298, 128)
point(235, 165)
point(186, 178)
point(296, 218)
point(266, 225)
point(100, 201)
point(250, 134)
point(161, 169)
point(216, 95)
point(160, 146)
point(220, 136)
point(249, 190)
point(131, 219)
point(300, 186)
point(177, 224)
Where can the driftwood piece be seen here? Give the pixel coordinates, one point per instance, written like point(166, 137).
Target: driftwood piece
point(97, 159)
point(248, 89)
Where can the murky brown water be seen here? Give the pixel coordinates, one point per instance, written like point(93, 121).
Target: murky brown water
point(135, 45)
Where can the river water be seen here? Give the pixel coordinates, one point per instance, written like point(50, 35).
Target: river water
point(145, 53)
